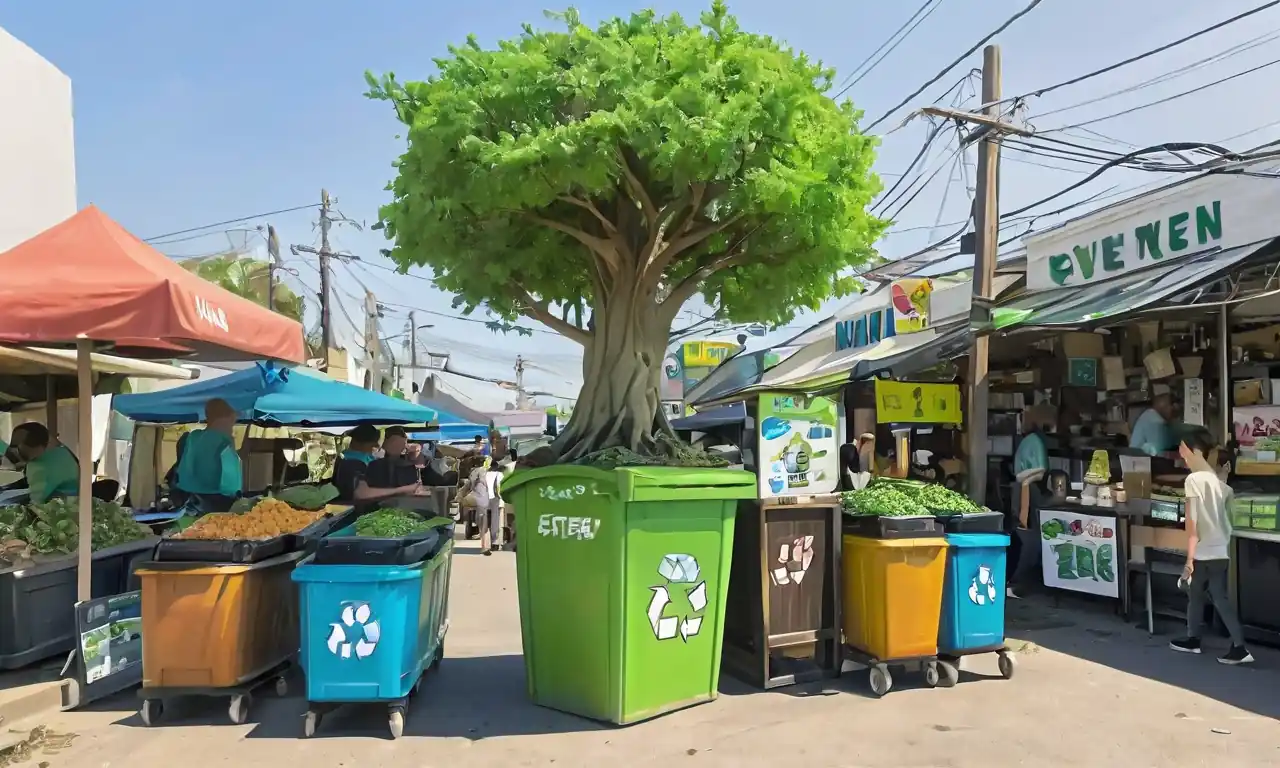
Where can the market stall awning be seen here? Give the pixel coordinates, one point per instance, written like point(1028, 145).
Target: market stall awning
point(273, 397)
point(734, 413)
point(89, 278)
point(452, 433)
point(1080, 305)
point(741, 370)
point(25, 373)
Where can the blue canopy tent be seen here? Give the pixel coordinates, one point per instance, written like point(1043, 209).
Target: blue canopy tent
point(268, 396)
point(454, 432)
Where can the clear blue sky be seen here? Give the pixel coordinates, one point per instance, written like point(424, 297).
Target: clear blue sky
point(191, 113)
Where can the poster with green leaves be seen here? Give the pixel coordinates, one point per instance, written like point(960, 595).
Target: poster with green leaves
point(797, 445)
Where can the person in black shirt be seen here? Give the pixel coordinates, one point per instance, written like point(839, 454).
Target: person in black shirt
point(394, 470)
point(351, 473)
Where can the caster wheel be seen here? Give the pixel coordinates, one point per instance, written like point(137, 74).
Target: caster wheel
point(150, 712)
point(931, 677)
point(881, 680)
point(1008, 665)
point(310, 724)
point(395, 721)
point(417, 684)
point(282, 687)
point(239, 709)
point(948, 674)
point(439, 657)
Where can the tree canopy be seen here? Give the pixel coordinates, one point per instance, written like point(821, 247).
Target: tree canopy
point(247, 278)
point(595, 179)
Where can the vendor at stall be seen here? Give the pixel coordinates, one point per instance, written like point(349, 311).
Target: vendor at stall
point(1153, 432)
point(1030, 463)
point(51, 467)
point(351, 474)
point(208, 472)
point(395, 469)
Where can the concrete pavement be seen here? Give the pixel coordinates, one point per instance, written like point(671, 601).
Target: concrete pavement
point(1089, 691)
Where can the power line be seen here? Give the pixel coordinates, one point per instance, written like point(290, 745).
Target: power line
point(1144, 55)
point(217, 224)
point(1167, 99)
point(1030, 7)
point(924, 9)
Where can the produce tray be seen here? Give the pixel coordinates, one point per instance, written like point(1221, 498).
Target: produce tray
point(873, 527)
point(343, 547)
point(974, 522)
point(240, 551)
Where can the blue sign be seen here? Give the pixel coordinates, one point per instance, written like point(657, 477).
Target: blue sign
point(864, 331)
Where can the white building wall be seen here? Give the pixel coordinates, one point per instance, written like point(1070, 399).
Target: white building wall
point(37, 144)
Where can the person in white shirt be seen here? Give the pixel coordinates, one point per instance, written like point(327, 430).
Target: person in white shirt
point(486, 489)
point(1208, 498)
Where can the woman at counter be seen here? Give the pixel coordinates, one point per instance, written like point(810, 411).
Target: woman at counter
point(208, 470)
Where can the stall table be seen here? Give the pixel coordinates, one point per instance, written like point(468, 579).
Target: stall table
point(1256, 583)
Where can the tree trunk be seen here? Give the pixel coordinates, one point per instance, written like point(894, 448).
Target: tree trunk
point(619, 405)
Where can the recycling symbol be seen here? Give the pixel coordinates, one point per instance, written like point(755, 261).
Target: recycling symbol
point(794, 558)
point(982, 589)
point(355, 633)
point(680, 572)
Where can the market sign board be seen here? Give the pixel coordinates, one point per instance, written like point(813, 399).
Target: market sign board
point(797, 445)
point(1211, 212)
point(911, 298)
point(707, 354)
point(914, 402)
point(1078, 552)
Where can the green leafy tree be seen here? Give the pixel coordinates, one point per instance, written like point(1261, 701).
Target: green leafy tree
point(247, 278)
point(597, 179)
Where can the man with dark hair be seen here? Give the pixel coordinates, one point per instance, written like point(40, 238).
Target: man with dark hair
point(480, 446)
point(52, 469)
point(351, 473)
point(393, 470)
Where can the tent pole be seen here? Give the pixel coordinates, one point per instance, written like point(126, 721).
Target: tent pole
point(84, 452)
point(51, 405)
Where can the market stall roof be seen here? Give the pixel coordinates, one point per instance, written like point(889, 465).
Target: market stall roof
point(739, 371)
point(452, 432)
point(269, 396)
point(733, 413)
point(89, 278)
point(451, 410)
point(1112, 299)
point(25, 372)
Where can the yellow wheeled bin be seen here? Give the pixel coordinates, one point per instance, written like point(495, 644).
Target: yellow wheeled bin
point(892, 598)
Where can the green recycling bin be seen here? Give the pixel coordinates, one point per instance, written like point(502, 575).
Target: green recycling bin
point(622, 577)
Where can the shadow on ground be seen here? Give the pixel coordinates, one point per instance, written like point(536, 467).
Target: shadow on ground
point(1091, 631)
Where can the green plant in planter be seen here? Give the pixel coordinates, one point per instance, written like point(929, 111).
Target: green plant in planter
point(595, 179)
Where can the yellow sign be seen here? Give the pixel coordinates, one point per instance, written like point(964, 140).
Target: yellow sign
point(707, 354)
point(918, 403)
point(910, 300)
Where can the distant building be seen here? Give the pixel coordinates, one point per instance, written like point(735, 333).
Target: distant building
point(37, 144)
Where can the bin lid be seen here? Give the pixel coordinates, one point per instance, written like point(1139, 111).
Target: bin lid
point(978, 539)
point(934, 542)
point(737, 483)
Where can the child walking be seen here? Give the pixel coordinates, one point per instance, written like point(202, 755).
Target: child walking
point(1208, 549)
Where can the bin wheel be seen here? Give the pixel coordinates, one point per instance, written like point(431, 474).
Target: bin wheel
point(239, 709)
point(949, 674)
point(881, 680)
point(1008, 665)
point(395, 720)
point(150, 711)
point(310, 723)
point(931, 677)
point(282, 687)
point(435, 664)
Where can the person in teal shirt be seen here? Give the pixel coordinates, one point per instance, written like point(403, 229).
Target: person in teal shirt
point(1151, 433)
point(52, 469)
point(209, 467)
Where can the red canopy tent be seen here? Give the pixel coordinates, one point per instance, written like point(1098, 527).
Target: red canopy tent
point(89, 282)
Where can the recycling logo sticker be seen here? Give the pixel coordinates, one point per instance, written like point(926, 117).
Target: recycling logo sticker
point(682, 576)
point(356, 634)
point(982, 589)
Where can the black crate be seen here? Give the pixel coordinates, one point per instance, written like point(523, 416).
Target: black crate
point(976, 522)
point(872, 527)
point(366, 550)
point(240, 552)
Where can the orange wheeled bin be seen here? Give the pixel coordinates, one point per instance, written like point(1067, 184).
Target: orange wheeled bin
point(216, 630)
point(891, 599)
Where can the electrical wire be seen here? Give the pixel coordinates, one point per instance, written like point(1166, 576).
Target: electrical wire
point(217, 224)
point(907, 25)
point(1008, 22)
point(1165, 100)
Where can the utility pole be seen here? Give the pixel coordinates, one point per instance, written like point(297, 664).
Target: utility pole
point(273, 260)
point(326, 324)
point(521, 400)
point(371, 340)
point(986, 219)
point(413, 341)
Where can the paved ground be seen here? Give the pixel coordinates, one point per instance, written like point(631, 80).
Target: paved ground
point(1089, 692)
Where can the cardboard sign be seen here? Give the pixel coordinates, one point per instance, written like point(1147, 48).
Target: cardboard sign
point(917, 403)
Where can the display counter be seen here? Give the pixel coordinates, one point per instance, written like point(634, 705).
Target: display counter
point(1256, 581)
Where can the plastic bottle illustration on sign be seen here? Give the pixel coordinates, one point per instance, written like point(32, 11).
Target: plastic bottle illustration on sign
point(680, 572)
point(357, 633)
point(982, 589)
point(794, 559)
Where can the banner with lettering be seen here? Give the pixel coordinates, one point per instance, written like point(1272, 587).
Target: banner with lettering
point(910, 299)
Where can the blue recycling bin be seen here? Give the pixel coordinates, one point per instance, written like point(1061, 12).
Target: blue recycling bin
point(369, 632)
point(973, 594)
